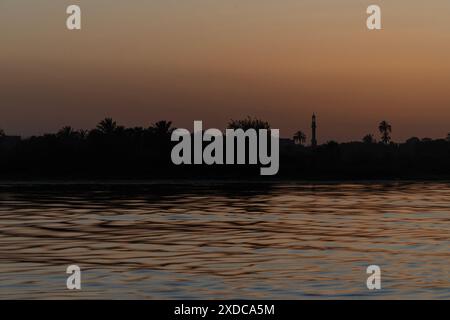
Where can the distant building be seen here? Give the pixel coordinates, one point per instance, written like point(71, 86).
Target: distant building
point(313, 134)
point(8, 142)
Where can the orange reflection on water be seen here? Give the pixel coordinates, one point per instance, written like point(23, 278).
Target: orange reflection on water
point(226, 241)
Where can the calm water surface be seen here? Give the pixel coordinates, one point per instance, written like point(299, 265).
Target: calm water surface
point(277, 241)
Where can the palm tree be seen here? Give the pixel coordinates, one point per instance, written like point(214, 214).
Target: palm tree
point(369, 138)
point(66, 132)
point(83, 133)
point(299, 138)
point(107, 126)
point(162, 128)
point(248, 123)
point(385, 129)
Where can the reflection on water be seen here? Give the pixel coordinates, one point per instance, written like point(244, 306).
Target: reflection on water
point(285, 241)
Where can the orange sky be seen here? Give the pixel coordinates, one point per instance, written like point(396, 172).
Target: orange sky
point(186, 60)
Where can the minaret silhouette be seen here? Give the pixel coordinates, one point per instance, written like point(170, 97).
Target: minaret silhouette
point(313, 127)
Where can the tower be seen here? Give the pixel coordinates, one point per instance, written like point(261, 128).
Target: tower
point(313, 135)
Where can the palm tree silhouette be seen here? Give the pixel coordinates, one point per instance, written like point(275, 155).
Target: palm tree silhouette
point(107, 126)
point(299, 138)
point(385, 129)
point(162, 128)
point(66, 132)
point(248, 123)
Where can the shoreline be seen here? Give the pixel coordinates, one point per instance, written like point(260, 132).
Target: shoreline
point(205, 182)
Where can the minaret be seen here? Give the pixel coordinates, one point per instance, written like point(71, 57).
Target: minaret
point(313, 127)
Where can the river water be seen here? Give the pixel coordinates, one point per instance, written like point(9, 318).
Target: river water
point(225, 241)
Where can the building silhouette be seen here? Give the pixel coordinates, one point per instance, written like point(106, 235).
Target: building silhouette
point(313, 134)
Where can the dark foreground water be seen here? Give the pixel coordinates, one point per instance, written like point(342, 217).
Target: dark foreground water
point(277, 241)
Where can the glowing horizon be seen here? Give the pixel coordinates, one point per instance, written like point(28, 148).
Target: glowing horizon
point(212, 61)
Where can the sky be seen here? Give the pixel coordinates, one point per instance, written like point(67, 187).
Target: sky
point(142, 61)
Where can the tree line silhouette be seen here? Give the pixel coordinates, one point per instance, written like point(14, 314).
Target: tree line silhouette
point(384, 127)
point(112, 151)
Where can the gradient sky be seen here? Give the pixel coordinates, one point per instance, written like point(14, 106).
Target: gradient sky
point(141, 61)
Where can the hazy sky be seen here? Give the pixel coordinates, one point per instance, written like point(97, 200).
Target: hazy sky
point(141, 61)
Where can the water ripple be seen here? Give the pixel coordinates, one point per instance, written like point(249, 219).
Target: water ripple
point(213, 241)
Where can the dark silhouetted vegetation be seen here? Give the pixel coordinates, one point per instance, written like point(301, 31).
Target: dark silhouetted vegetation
point(299, 138)
point(248, 123)
point(385, 130)
point(369, 138)
point(112, 151)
